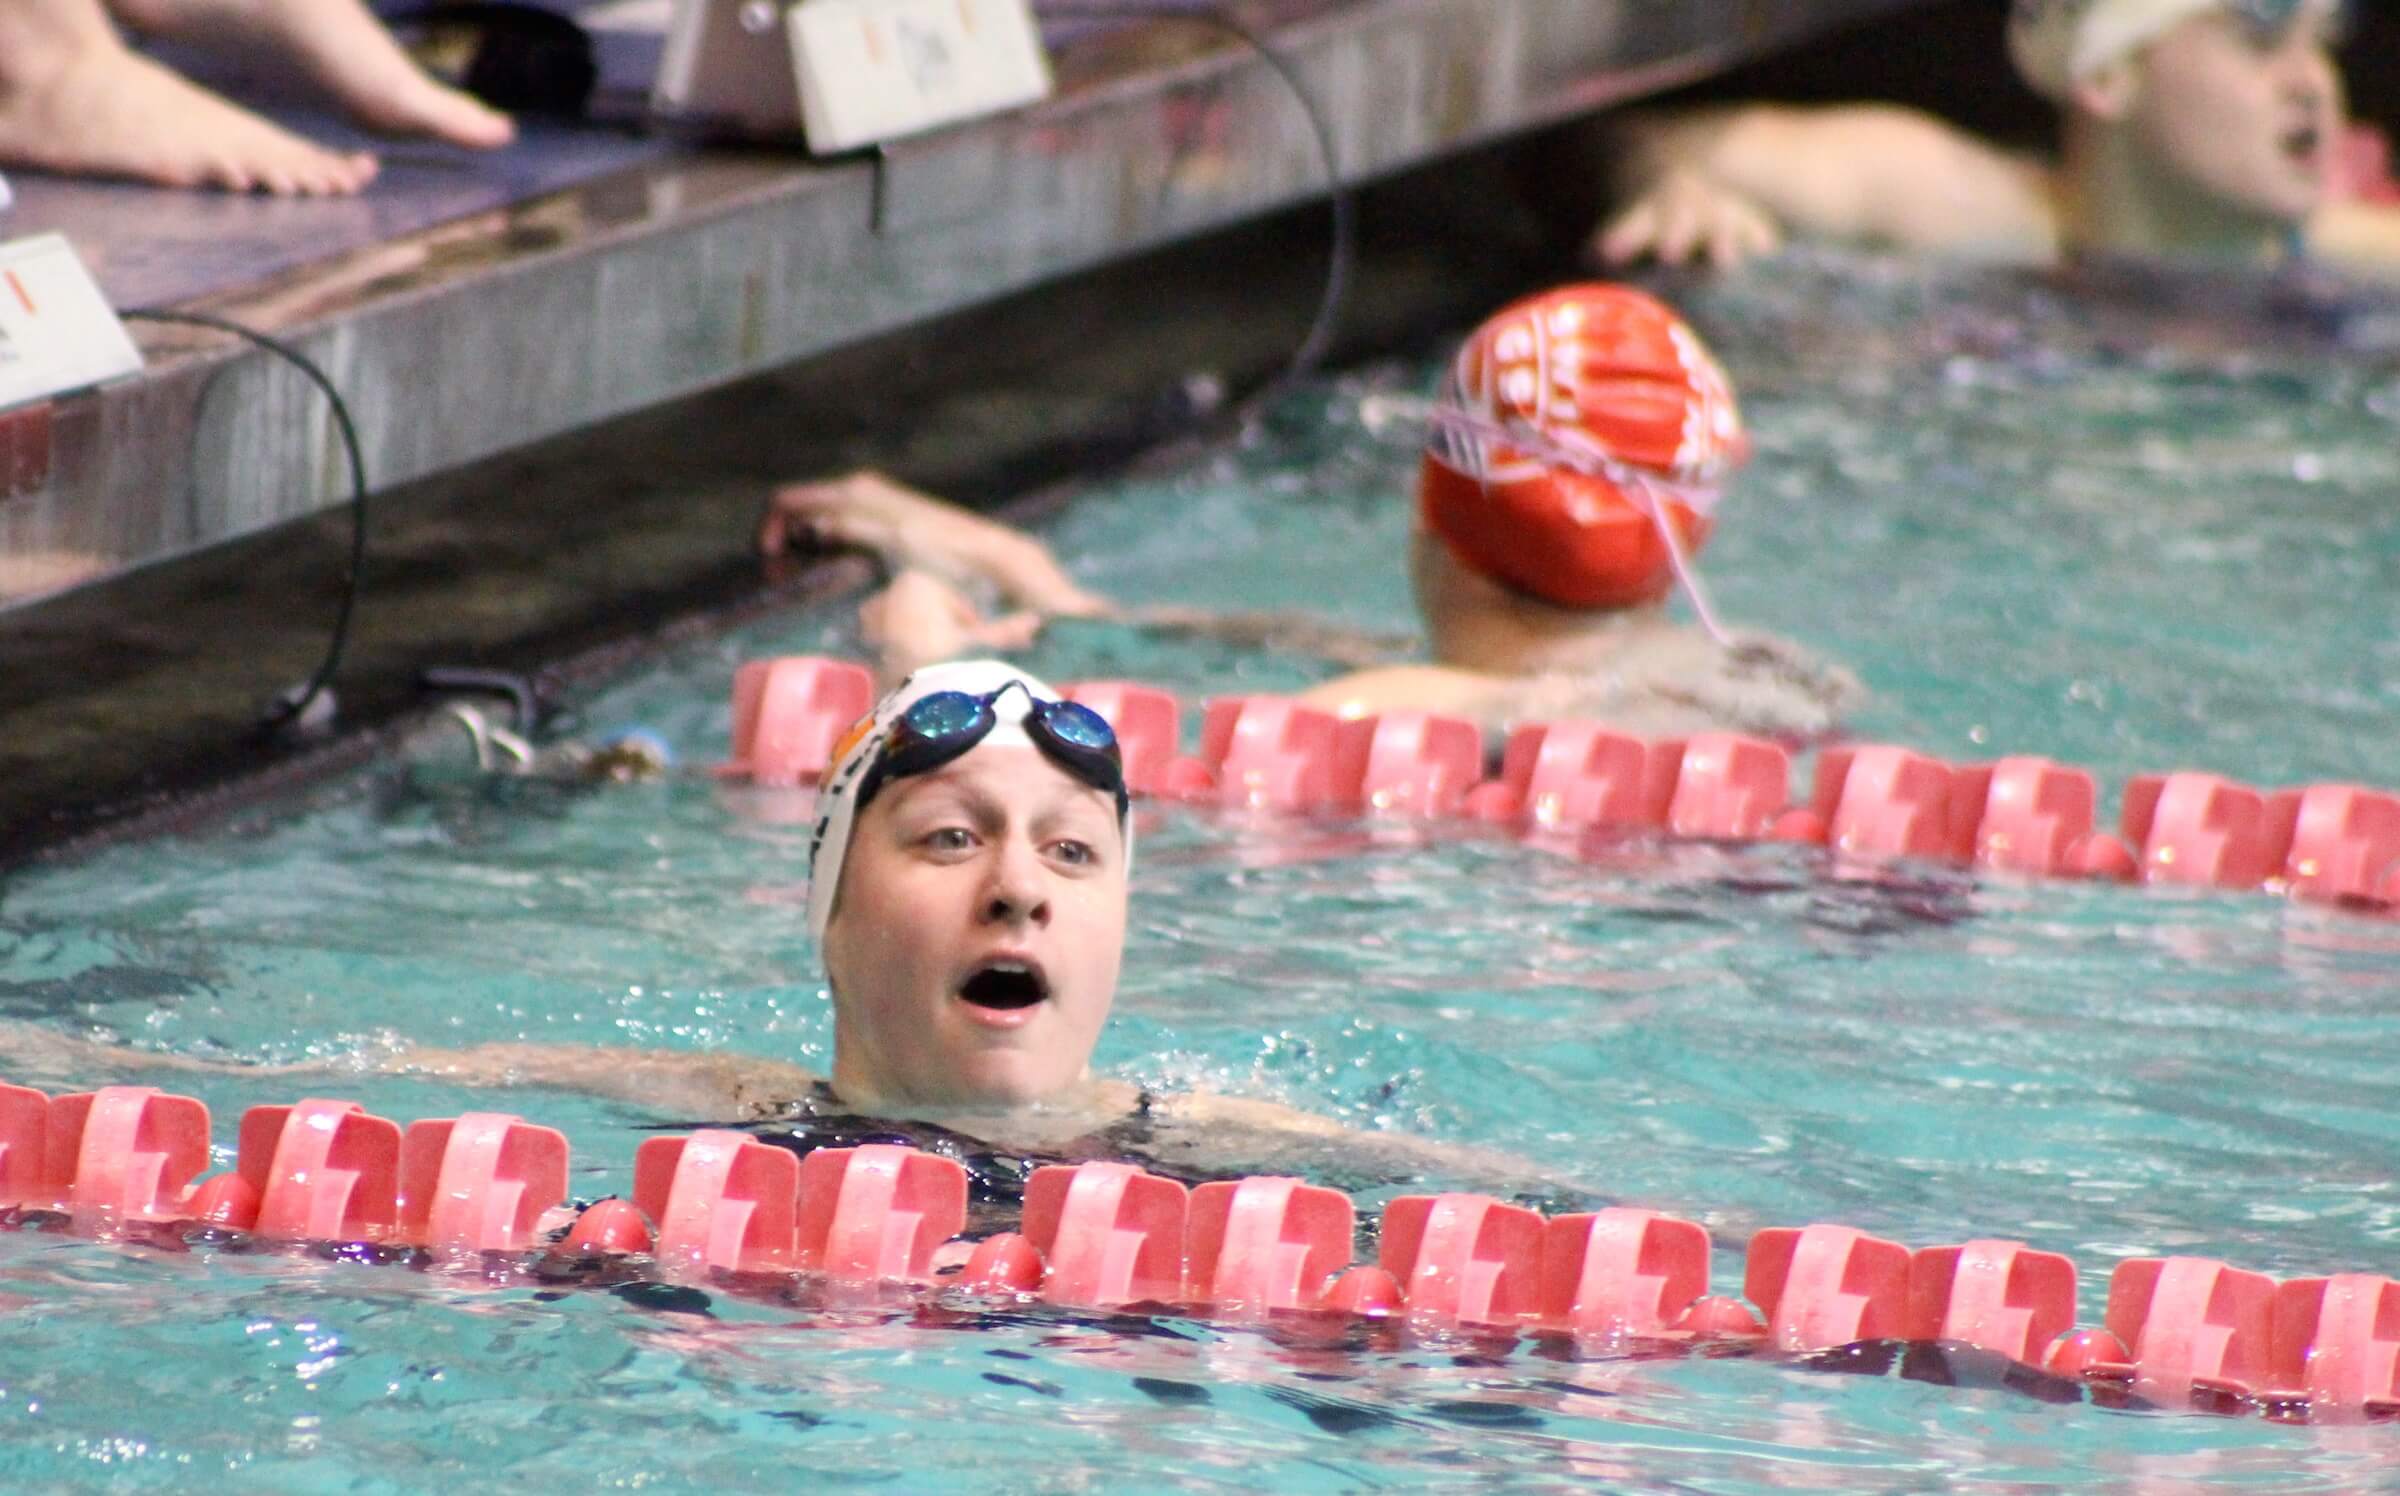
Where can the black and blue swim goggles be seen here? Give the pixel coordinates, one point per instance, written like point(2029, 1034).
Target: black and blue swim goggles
point(938, 728)
point(2268, 22)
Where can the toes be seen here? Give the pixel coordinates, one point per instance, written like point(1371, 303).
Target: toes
point(424, 107)
point(343, 176)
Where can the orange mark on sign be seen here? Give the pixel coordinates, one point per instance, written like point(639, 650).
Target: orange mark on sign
point(874, 35)
point(18, 286)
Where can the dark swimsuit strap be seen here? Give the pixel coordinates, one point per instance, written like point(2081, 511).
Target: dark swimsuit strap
point(996, 1176)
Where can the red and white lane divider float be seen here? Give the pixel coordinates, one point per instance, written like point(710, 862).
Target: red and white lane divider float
point(2176, 1332)
point(2337, 844)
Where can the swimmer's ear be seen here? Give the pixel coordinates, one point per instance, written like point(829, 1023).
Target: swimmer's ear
point(2109, 91)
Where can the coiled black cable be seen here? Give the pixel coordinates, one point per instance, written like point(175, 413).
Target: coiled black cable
point(289, 706)
point(1343, 258)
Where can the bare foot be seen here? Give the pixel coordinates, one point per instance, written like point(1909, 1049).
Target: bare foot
point(910, 529)
point(95, 109)
point(340, 45)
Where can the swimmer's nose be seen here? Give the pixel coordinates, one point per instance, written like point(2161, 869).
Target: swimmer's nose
point(1018, 893)
point(2316, 81)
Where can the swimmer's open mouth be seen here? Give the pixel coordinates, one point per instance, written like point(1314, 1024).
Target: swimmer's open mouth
point(1005, 984)
point(2303, 142)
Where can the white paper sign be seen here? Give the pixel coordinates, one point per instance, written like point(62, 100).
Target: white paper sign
point(57, 332)
point(873, 70)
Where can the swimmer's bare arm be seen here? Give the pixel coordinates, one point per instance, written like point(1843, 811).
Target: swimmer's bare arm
point(718, 1087)
point(1204, 1130)
point(1729, 183)
point(915, 531)
point(936, 552)
point(1669, 683)
point(713, 1086)
point(2362, 237)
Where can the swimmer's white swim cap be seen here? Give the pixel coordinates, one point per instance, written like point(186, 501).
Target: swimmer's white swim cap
point(863, 744)
point(2058, 43)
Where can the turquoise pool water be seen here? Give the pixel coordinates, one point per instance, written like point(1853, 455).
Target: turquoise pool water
point(2032, 522)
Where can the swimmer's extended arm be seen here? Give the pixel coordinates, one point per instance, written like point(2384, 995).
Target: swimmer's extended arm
point(1727, 183)
point(1207, 1129)
point(1287, 633)
point(914, 531)
point(672, 1083)
point(936, 552)
point(1659, 683)
point(727, 1087)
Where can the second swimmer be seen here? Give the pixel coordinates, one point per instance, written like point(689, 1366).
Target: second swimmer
point(1573, 469)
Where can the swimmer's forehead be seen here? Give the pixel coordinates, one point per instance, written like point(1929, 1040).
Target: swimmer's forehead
point(1014, 775)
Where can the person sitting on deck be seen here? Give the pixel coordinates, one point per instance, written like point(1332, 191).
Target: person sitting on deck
point(968, 894)
point(75, 99)
point(1573, 467)
point(2194, 130)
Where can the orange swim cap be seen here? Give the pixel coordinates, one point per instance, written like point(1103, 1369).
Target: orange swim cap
point(1614, 405)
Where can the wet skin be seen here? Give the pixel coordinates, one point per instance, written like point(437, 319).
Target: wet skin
point(975, 943)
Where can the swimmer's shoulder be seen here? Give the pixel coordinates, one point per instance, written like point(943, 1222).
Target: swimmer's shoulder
point(1447, 690)
point(2360, 237)
point(1913, 181)
point(1874, 174)
point(1210, 1109)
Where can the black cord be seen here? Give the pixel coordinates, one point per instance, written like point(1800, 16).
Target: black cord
point(1344, 256)
point(289, 706)
point(1304, 361)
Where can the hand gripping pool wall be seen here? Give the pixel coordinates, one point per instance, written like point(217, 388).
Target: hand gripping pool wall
point(1870, 804)
point(486, 1192)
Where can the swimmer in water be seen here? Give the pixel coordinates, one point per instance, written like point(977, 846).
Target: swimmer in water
point(2194, 130)
point(968, 896)
point(1572, 470)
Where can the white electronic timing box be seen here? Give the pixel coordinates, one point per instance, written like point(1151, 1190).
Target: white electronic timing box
point(57, 332)
point(848, 73)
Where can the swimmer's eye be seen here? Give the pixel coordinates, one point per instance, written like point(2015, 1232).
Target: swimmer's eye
point(1074, 853)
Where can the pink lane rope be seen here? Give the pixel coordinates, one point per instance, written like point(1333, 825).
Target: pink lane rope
point(2336, 845)
point(486, 1193)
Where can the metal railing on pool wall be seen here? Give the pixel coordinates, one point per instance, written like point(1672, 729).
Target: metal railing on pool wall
point(2334, 844)
point(486, 1192)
